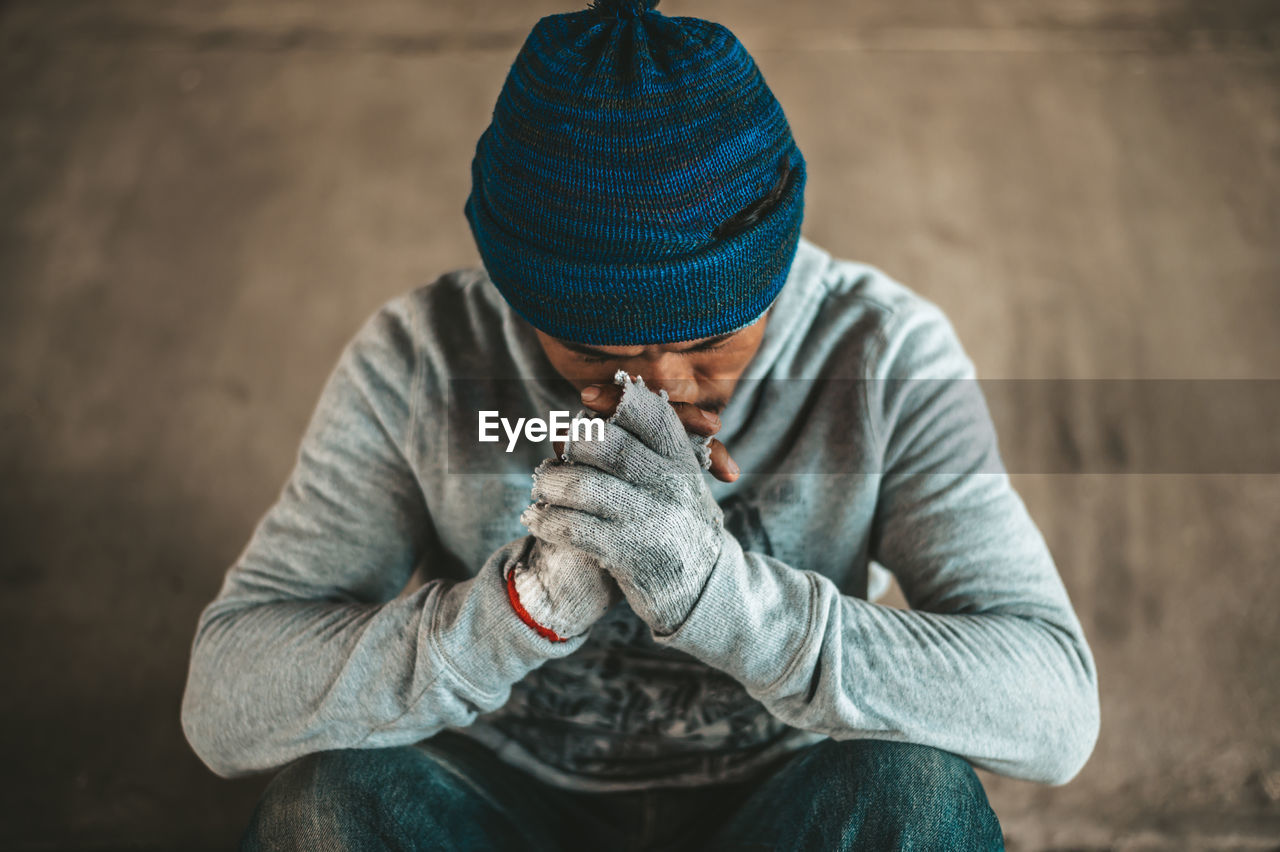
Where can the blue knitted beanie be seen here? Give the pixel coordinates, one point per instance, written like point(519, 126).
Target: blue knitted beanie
point(617, 193)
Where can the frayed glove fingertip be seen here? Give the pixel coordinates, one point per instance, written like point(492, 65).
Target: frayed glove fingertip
point(702, 449)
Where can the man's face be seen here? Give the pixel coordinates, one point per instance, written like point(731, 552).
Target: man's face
point(703, 372)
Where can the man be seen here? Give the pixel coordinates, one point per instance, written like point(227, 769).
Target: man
point(666, 641)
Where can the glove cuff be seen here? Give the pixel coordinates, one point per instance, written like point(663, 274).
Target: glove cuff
point(514, 596)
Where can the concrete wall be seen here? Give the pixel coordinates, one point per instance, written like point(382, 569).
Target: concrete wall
point(200, 202)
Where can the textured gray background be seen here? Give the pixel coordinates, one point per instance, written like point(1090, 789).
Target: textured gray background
point(201, 201)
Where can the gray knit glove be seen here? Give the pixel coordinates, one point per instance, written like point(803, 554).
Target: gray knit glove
point(638, 502)
point(564, 589)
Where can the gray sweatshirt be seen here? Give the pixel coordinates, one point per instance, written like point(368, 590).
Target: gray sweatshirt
point(368, 608)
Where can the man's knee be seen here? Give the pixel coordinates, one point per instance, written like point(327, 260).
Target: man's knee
point(906, 788)
point(341, 799)
point(904, 766)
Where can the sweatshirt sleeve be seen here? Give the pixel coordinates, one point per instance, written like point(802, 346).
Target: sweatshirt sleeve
point(311, 644)
point(990, 662)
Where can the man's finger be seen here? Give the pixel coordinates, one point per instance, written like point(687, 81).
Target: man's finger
point(723, 467)
point(602, 398)
point(626, 457)
point(695, 419)
point(567, 527)
point(586, 489)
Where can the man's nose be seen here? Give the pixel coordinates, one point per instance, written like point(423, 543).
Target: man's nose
point(672, 373)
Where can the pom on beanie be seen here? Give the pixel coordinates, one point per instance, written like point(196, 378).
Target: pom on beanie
point(638, 182)
point(622, 8)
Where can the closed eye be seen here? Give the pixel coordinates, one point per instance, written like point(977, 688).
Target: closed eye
point(711, 347)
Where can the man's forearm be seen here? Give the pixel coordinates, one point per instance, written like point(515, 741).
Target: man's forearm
point(1015, 694)
point(274, 679)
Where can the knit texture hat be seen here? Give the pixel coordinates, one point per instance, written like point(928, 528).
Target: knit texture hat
point(621, 142)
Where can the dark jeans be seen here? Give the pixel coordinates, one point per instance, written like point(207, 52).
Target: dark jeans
point(450, 793)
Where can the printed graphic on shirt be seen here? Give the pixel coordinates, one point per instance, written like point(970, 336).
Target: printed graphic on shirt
point(623, 707)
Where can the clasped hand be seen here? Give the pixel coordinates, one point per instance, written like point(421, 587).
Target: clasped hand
point(638, 502)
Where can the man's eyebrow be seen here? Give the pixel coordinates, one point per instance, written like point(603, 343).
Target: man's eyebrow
point(709, 342)
point(584, 349)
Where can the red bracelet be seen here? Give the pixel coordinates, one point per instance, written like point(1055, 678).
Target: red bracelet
point(524, 614)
